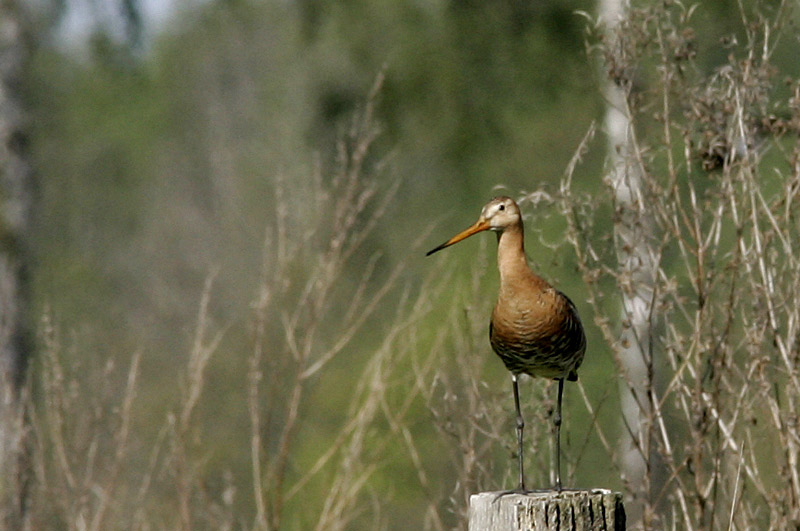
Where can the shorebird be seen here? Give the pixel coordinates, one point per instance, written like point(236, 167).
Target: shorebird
point(534, 329)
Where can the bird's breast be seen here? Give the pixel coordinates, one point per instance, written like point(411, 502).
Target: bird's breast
point(537, 333)
point(525, 320)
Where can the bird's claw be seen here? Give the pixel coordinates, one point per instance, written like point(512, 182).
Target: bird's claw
point(524, 492)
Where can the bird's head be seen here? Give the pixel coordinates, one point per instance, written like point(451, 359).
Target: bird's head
point(497, 215)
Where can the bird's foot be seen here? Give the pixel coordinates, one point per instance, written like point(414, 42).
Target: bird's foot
point(520, 490)
point(523, 491)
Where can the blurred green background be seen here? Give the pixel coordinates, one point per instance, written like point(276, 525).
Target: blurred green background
point(157, 156)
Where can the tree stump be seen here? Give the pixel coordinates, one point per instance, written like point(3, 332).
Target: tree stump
point(596, 510)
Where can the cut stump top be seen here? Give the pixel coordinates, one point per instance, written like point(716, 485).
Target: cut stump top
point(568, 510)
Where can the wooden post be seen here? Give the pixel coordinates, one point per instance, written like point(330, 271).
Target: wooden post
point(573, 510)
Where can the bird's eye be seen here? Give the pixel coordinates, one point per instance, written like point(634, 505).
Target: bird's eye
point(502, 207)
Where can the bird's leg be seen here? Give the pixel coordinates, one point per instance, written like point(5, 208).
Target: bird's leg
point(557, 423)
point(520, 427)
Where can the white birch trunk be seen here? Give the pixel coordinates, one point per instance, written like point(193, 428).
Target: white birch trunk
point(633, 236)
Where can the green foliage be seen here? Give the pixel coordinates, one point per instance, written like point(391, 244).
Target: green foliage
point(243, 147)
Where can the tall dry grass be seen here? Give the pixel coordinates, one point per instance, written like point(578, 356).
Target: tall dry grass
point(427, 419)
point(94, 470)
point(717, 212)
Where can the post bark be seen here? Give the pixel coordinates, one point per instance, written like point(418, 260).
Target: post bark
point(574, 510)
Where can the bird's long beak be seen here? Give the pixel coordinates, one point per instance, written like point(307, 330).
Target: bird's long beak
point(479, 226)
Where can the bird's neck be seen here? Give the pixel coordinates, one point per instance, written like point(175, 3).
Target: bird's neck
point(512, 262)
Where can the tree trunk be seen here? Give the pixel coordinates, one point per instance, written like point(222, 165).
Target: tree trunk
point(633, 236)
point(15, 207)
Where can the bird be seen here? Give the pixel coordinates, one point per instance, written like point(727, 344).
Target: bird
point(535, 329)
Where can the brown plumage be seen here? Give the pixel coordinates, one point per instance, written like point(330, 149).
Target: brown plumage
point(535, 329)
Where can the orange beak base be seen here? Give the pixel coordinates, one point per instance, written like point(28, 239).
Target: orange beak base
point(479, 226)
